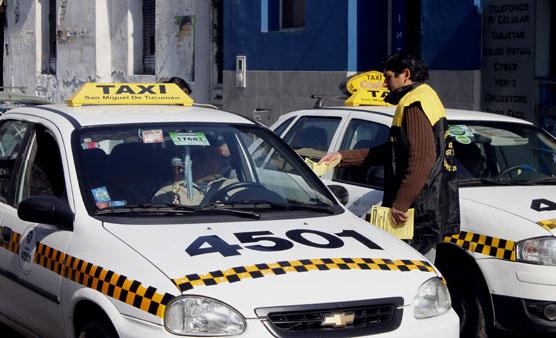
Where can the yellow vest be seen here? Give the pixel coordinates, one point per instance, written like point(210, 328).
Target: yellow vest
point(430, 102)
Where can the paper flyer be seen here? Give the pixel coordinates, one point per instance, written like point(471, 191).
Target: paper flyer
point(381, 218)
point(321, 168)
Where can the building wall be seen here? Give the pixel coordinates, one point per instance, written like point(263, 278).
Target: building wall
point(340, 38)
point(101, 40)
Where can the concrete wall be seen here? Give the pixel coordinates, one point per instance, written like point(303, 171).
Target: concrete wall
point(270, 94)
point(101, 40)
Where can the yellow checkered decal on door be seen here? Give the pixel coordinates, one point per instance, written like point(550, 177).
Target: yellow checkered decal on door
point(240, 273)
point(548, 224)
point(13, 244)
point(105, 281)
point(486, 245)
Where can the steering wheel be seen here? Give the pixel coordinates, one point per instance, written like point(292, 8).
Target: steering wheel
point(515, 168)
point(222, 194)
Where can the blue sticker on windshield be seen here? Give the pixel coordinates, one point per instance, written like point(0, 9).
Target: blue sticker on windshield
point(101, 195)
point(113, 204)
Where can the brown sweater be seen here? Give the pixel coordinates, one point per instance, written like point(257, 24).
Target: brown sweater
point(422, 155)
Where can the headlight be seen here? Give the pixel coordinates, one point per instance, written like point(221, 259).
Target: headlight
point(201, 316)
point(540, 250)
point(432, 299)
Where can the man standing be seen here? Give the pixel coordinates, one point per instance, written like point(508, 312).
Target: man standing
point(418, 157)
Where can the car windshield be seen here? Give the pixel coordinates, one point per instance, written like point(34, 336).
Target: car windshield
point(192, 169)
point(503, 153)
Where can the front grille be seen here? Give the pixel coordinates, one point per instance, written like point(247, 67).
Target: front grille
point(335, 319)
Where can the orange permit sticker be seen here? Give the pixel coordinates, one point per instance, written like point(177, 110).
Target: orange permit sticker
point(153, 136)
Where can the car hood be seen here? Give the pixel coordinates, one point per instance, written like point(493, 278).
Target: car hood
point(319, 266)
point(534, 203)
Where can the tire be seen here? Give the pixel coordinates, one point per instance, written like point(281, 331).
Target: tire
point(470, 309)
point(98, 329)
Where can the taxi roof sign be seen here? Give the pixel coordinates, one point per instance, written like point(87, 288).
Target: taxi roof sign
point(367, 89)
point(130, 93)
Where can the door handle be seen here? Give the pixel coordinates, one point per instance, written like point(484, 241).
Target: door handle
point(5, 235)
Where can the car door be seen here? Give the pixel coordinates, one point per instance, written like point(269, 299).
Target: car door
point(364, 184)
point(14, 136)
point(313, 134)
point(38, 267)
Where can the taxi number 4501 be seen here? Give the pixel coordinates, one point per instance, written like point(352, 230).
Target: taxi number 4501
point(214, 244)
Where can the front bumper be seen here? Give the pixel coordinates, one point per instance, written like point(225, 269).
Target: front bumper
point(522, 315)
point(446, 326)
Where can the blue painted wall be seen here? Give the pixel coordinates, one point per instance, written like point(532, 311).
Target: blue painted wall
point(372, 26)
point(451, 34)
point(450, 40)
point(321, 45)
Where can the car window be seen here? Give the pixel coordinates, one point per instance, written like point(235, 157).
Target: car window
point(148, 167)
point(311, 135)
point(43, 171)
point(362, 134)
point(12, 137)
point(280, 129)
point(496, 152)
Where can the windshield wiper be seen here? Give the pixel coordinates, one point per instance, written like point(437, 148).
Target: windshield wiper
point(226, 208)
point(544, 180)
point(291, 205)
point(176, 209)
point(142, 208)
point(484, 181)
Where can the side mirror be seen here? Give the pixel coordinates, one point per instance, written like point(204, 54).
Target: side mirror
point(48, 210)
point(340, 192)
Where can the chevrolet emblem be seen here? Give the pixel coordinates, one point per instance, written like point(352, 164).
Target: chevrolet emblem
point(338, 319)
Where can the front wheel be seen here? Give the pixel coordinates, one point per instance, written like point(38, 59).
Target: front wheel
point(98, 329)
point(470, 309)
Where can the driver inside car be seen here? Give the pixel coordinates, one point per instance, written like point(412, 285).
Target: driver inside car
point(207, 173)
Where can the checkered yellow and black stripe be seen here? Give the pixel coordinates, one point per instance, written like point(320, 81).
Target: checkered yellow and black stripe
point(548, 224)
point(13, 244)
point(105, 281)
point(240, 273)
point(486, 245)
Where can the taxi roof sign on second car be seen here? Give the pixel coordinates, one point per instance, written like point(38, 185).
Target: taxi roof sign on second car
point(367, 89)
point(130, 93)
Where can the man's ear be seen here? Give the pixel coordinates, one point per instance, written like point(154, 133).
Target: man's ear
point(407, 73)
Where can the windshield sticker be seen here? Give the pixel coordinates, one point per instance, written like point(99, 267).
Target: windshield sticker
point(189, 139)
point(457, 130)
point(463, 139)
point(89, 145)
point(153, 136)
point(101, 195)
point(460, 130)
point(113, 204)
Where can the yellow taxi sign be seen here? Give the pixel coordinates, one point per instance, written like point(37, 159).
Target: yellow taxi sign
point(366, 89)
point(130, 93)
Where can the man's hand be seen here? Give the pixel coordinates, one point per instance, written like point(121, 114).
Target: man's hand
point(328, 158)
point(398, 216)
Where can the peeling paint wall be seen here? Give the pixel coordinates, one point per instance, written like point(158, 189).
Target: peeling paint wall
point(97, 40)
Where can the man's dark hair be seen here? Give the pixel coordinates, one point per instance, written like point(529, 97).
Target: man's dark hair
point(181, 83)
point(397, 62)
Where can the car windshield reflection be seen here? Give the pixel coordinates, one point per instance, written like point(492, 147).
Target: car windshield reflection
point(193, 169)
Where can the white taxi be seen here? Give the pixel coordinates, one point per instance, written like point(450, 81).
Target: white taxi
point(501, 268)
point(139, 219)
